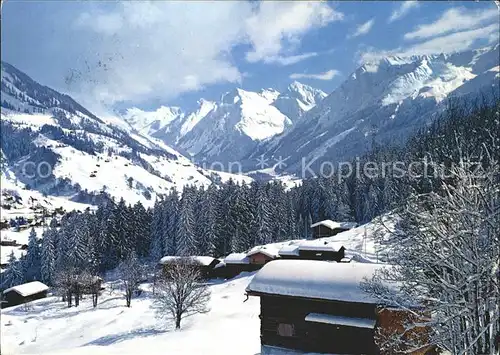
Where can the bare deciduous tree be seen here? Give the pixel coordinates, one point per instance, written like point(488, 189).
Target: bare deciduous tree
point(131, 274)
point(63, 282)
point(447, 255)
point(181, 292)
point(73, 283)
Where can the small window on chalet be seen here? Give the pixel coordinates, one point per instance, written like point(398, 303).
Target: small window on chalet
point(286, 330)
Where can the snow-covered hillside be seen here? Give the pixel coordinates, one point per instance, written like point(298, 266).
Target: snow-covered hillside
point(230, 128)
point(384, 100)
point(51, 145)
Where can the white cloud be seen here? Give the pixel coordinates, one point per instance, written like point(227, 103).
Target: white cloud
point(328, 75)
point(363, 29)
point(159, 48)
point(454, 42)
point(454, 20)
point(277, 24)
point(136, 50)
point(289, 60)
point(403, 10)
point(455, 30)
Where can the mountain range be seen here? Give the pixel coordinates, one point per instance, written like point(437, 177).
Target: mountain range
point(381, 101)
point(140, 155)
point(227, 130)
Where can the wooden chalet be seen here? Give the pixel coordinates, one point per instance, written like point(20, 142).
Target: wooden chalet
point(261, 255)
point(24, 293)
point(8, 243)
point(329, 228)
point(313, 250)
point(205, 264)
point(234, 264)
point(316, 306)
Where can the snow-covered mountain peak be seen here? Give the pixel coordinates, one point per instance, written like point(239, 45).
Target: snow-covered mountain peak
point(270, 94)
point(149, 122)
point(298, 99)
point(306, 94)
point(389, 97)
point(232, 97)
point(238, 95)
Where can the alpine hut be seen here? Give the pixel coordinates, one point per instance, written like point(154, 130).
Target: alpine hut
point(320, 307)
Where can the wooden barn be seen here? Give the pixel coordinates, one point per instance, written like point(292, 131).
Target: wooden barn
point(205, 264)
point(313, 250)
point(329, 228)
point(232, 265)
point(317, 306)
point(8, 243)
point(261, 255)
point(24, 293)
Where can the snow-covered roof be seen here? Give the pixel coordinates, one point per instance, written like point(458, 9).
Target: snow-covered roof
point(291, 249)
point(315, 279)
point(320, 245)
point(28, 289)
point(334, 225)
point(268, 250)
point(202, 260)
point(237, 258)
point(219, 265)
point(338, 320)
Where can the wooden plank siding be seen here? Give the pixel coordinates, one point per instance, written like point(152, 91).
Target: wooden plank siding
point(394, 322)
point(13, 298)
point(311, 336)
point(259, 259)
point(323, 231)
point(317, 255)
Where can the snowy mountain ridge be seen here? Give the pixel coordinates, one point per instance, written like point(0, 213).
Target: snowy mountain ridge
point(384, 100)
point(229, 128)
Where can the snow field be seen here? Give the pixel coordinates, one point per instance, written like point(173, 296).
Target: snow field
point(231, 327)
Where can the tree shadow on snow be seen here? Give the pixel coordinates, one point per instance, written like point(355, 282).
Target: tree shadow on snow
point(116, 338)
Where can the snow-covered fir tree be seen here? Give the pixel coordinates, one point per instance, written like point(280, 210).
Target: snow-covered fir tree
point(32, 262)
point(186, 224)
point(48, 257)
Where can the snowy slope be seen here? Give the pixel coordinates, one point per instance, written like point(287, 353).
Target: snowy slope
point(386, 100)
point(231, 327)
point(229, 128)
point(86, 155)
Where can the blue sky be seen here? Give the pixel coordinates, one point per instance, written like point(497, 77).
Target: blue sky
point(147, 54)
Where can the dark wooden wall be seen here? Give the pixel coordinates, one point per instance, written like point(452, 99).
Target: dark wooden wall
point(229, 271)
point(323, 231)
point(311, 336)
point(13, 298)
point(259, 259)
point(317, 255)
